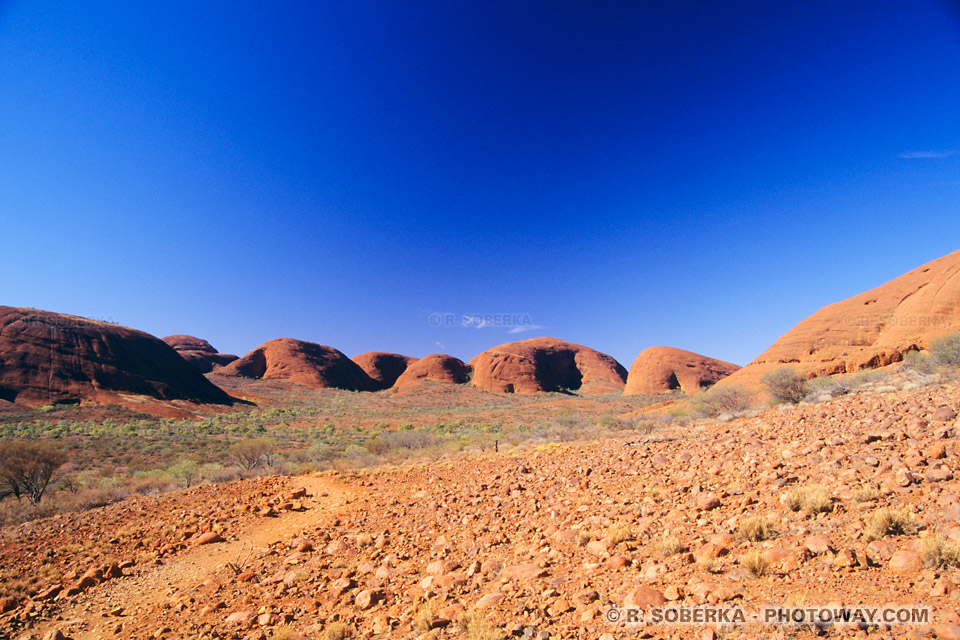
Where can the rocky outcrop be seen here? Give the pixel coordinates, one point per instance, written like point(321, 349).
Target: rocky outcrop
point(307, 363)
point(199, 352)
point(546, 364)
point(873, 329)
point(50, 358)
point(382, 367)
point(436, 367)
point(660, 369)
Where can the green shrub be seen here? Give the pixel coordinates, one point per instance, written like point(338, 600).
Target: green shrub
point(717, 400)
point(785, 385)
point(945, 351)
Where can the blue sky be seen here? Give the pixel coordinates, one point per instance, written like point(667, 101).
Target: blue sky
point(620, 174)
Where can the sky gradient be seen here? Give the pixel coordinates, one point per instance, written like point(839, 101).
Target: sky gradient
point(620, 174)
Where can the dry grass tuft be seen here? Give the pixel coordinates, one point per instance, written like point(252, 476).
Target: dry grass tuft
point(813, 499)
point(669, 545)
point(889, 522)
point(756, 529)
point(755, 562)
point(619, 533)
point(337, 631)
point(939, 552)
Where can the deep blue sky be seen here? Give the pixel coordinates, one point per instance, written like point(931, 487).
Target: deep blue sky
point(623, 173)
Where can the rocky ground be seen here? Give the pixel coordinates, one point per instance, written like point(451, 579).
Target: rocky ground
point(780, 508)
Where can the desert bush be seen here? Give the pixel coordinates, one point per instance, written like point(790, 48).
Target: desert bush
point(862, 379)
point(939, 552)
point(669, 545)
point(813, 499)
point(889, 522)
point(819, 389)
point(756, 529)
point(337, 631)
point(185, 471)
point(26, 467)
point(252, 454)
point(785, 385)
point(866, 493)
point(476, 627)
point(945, 351)
point(755, 562)
point(729, 399)
point(619, 533)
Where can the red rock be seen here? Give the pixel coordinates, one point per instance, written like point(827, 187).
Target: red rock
point(54, 634)
point(644, 597)
point(906, 561)
point(49, 358)
point(307, 363)
point(490, 600)
point(818, 544)
point(707, 502)
point(8, 604)
point(546, 364)
point(199, 353)
point(948, 631)
point(523, 572)
point(873, 329)
point(208, 538)
point(241, 618)
point(944, 414)
point(383, 368)
point(660, 369)
point(367, 598)
point(436, 367)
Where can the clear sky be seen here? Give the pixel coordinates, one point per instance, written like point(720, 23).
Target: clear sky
point(619, 174)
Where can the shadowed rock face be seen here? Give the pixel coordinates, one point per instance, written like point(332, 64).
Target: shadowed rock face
point(199, 352)
point(660, 369)
point(307, 363)
point(49, 358)
point(546, 364)
point(382, 367)
point(437, 367)
point(873, 329)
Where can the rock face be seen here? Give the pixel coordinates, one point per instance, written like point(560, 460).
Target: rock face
point(660, 369)
point(199, 352)
point(307, 363)
point(873, 329)
point(49, 358)
point(437, 367)
point(382, 367)
point(546, 364)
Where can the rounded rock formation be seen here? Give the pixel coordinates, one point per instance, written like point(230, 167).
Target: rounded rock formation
point(307, 363)
point(51, 358)
point(546, 364)
point(382, 367)
point(436, 367)
point(199, 352)
point(870, 330)
point(660, 369)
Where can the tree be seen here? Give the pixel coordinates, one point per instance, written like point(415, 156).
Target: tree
point(26, 468)
point(252, 454)
point(785, 385)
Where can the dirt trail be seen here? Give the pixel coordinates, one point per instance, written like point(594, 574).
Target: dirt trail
point(90, 617)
